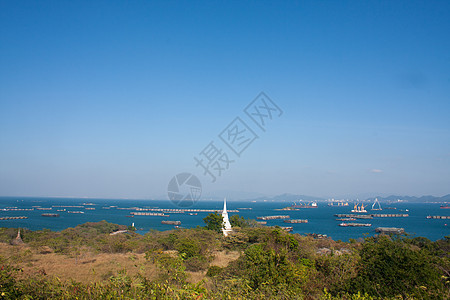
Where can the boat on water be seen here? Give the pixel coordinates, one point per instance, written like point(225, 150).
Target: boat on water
point(304, 205)
point(374, 205)
point(359, 209)
point(446, 206)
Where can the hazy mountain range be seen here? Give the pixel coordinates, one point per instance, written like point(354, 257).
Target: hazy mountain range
point(251, 196)
point(306, 198)
point(428, 198)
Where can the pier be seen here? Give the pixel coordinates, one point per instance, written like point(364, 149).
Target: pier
point(13, 218)
point(390, 215)
point(171, 222)
point(288, 229)
point(265, 218)
point(182, 210)
point(50, 215)
point(148, 214)
point(296, 221)
point(355, 225)
point(388, 230)
point(439, 217)
point(353, 216)
point(370, 216)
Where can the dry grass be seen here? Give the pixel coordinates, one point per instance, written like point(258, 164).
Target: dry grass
point(195, 277)
point(87, 267)
point(223, 258)
point(90, 267)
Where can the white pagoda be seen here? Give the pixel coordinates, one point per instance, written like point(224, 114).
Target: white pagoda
point(226, 228)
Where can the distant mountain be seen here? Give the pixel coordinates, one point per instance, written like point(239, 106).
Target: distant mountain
point(429, 198)
point(289, 198)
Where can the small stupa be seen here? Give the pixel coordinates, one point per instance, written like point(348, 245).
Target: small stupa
point(17, 240)
point(226, 228)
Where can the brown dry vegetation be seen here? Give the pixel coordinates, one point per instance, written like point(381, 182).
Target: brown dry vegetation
point(91, 267)
point(223, 258)
point(86, 268)
point(220, 259)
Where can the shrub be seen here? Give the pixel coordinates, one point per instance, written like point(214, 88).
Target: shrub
point(214, 271)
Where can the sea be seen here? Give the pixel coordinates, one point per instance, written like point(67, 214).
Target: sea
point(321, 220)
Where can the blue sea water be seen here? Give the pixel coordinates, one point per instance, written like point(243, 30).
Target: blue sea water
point(321, 220)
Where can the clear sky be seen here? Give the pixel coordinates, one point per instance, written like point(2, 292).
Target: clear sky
point(114, 98)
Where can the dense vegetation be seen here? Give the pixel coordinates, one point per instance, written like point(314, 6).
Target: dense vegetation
point(270, 264)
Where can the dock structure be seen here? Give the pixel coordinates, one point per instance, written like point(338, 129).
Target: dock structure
point(265, 218)
point(439, 217)
point(184, 210)
point(296, 221)
point(353, 216)
point(390, 215)
point(148, 214)
point(13, 218)
point(287, 228)
point(317, 236)
point(167, 222)
point(50, 215)
point(355, 225)
point(388, 230)
point(370, 216)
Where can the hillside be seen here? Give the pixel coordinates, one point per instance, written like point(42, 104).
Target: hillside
point(87, 262)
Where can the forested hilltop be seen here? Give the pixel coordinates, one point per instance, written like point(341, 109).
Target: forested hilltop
point(108, 261)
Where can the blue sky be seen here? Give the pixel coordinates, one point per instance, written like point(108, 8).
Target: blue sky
point(112, 99)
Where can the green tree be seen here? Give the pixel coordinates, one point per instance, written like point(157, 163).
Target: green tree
point(390, 268)
point(214, 221)
point(238, 221)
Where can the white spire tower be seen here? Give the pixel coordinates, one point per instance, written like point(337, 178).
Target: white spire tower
point(226, 228)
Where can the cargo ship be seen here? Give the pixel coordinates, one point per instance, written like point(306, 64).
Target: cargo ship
point(305, 205)
point(359, 209)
